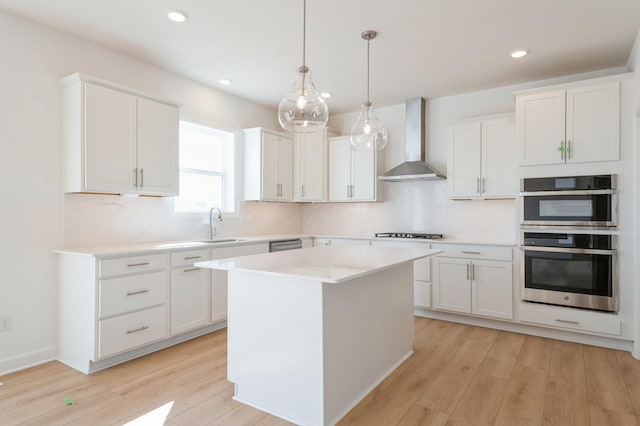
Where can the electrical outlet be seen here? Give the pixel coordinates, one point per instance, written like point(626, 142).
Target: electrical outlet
point(5, 322)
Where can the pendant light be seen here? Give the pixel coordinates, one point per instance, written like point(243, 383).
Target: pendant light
point(303, 109)
point(367, 132)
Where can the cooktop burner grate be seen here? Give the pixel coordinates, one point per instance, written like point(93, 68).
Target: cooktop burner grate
point(409, 235)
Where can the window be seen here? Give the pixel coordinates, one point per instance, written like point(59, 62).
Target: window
point(206, 169)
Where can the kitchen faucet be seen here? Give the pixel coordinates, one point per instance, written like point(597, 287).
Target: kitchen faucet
point(212, 229)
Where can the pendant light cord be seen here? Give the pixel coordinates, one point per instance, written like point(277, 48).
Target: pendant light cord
point(304, 31)
point(368, 61)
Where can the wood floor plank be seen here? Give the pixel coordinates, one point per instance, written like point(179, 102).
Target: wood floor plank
point(536, 352)
point(603, 372)
point(523, 403)
point(444, 392)
point(423, 416)
point(503, 354)
point(604, 417)
point(480, 403)
point(630, 371)
point(240, 415)
point(566, 371)
point(566, 410)
point(208, 409)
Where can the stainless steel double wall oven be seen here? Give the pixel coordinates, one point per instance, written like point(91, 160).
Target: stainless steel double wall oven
point(568, 248)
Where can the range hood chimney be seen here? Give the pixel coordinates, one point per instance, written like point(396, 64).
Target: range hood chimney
point(414, 167)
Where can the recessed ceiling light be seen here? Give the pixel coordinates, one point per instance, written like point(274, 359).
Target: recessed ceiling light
point(225, 81)
point(177, 15)
point(519, 53)
point(326, 95)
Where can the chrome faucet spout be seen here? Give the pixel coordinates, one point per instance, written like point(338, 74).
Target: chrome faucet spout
point(212, 229)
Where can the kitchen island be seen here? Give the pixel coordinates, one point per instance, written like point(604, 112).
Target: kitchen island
point(312, 331)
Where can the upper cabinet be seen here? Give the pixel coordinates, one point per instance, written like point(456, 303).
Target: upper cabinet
point(353, 175)
point(311, 164)
point(481, 160)
point(118, 140)
point(268, 163)
point(569, 124)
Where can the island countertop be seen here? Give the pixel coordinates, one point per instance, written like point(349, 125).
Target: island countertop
point(329, 264)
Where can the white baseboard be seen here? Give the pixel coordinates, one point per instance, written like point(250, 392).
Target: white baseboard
point(28, 359)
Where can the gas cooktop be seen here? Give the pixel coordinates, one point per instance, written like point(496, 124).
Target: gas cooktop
point(409, 235)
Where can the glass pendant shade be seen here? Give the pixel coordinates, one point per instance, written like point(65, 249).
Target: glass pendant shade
point(303, 109)
point(368, 133)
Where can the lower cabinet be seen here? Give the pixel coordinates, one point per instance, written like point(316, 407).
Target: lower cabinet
point(219, 278)
point(465, 281)
point(190, 288)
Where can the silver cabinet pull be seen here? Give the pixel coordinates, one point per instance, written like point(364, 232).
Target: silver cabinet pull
point(470, 252)
point(131, 293)
point(467, 271)
point(192, 257)
point(131, 265)
point(191, 269)
point(473, 272)
point(561, 149)
point(302, 190)
point(477, 185)
point(568, 150)
point(135, 330)
point(484, 185)
point(567, 321)
point(135, 172)
point(141, 178)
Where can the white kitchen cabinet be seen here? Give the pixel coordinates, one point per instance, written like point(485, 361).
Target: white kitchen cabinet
point(268, 165)
point(326, 241)
point(190, 291)
point(311, 165)
point(481, 160)
point(353, 175)
point(219, 278)
point(474, 279)
point(118, 140)
point(559, 317)
point(569, 124)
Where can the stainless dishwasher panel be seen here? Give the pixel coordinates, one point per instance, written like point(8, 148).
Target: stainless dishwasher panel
point(285, 245)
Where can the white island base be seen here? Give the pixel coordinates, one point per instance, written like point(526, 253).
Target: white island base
point(308, 338)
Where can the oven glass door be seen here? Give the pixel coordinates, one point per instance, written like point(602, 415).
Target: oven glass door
point(593, 209)
point(581, 273)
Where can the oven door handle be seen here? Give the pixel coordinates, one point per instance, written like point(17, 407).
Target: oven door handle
point(568, 250)
point(577, 192)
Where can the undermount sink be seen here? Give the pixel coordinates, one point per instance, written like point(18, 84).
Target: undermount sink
point(219, 240)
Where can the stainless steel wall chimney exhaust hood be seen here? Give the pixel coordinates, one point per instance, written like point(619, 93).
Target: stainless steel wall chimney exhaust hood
point(414, 167)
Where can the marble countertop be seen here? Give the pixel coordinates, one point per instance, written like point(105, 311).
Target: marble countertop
point(330, 264)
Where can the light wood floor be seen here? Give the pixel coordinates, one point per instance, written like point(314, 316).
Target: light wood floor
point(458, 375)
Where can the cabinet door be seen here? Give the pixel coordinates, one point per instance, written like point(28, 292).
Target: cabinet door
point(540, 127)
point(189, 299)
point(157, 148)
point(285, 168)
point(110, 140)
point(593, 123)
point(339, 168)
point(492, 289)
point(310, 166)
point(270, 184)
point(464, 161)
point(451, 284)
point(498, 158)
point(363, 175)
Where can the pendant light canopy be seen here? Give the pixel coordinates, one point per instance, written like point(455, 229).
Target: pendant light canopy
point(367, 132)
point(303, 108)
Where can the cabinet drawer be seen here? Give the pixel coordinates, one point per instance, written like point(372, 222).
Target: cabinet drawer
point(475, 252)
point(567, 318)
point(188, 257)
point(132, 265)
point(129, 331)
point(126, 294)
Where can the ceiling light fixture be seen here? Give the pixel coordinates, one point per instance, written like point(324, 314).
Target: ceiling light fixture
point(177, 15)
point(519, 53)
point(367, 132)
point(225, 81)
point(303, 110)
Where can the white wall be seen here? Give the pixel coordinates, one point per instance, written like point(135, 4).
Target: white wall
point(37, 218)
point(425, 206)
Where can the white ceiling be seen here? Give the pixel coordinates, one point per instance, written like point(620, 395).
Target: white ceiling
point(426, 48)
